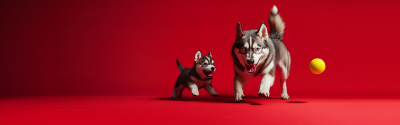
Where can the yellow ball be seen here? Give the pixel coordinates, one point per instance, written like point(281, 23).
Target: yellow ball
point(317, 66)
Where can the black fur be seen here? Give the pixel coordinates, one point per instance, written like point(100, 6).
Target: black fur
point(180, 67)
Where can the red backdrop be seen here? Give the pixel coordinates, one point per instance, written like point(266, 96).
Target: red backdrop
point(130, 47)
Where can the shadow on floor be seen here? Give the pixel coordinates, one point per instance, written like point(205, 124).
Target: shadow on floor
point(296, 102)
point(220, 99)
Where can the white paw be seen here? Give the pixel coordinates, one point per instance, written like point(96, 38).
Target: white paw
point(195, 93)
point(263, 93)
point(239, 97)
point(285, 96)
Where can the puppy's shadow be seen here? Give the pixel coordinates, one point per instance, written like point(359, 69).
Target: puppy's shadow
point(219, 99)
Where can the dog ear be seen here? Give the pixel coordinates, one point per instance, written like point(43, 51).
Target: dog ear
point(262, 32)
point(209, 54)
point(197, 56)
point(239, 32)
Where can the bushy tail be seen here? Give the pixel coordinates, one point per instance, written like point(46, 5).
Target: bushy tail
point(276, 24)
point(180, 67)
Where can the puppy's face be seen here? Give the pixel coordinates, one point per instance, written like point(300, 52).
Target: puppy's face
point(204, 65)
point(250, 47)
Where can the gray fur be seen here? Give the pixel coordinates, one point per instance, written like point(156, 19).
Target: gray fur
point(190, 77)
point(276, 25)
point(278, 56)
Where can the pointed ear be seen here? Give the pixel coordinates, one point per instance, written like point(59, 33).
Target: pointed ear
point(197, 56)
point(239, 32)
point(209, 54)
point(262, 32)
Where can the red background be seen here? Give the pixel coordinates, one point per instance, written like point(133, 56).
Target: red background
point(130, 47)
point(86, 48)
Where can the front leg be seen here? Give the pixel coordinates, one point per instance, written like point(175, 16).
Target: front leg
point(195, 90)
point(210, 89)
point(266, 83)
point(239, 83)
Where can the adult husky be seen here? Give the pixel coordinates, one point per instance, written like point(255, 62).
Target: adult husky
point(255, 53)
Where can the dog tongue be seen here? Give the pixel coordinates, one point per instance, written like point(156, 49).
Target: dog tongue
point(251, 68)
point(210, 74)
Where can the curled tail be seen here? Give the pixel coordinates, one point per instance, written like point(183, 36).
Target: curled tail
point(180, 67)
point(276, 24)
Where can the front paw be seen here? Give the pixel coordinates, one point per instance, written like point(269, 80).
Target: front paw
point(285, 97)
point(215, 95)
point(263, 93)
point(195, 93)
point(239, 97)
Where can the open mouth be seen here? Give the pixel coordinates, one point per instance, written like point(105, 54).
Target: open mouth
point(251, 68)
point(208, 74)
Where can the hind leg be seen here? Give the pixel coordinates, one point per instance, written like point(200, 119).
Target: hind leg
point(210, 89)
point(180, 93)
point(283, 73)
point(177, 90)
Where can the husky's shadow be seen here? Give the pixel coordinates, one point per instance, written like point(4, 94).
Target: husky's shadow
point(219, 99)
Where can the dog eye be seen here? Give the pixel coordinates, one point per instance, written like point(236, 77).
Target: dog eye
point(244, 49)
point(205, 63)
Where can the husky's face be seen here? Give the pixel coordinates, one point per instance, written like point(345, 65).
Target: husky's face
point(251, 47)
point(204, 65)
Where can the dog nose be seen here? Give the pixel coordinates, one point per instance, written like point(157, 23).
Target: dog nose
point(250, 61)
point(213, 68)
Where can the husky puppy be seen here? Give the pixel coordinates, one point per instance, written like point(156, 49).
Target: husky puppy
point(197, 77)
point(255, 53)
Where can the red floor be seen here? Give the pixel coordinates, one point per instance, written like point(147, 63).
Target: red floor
point(198, 110)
